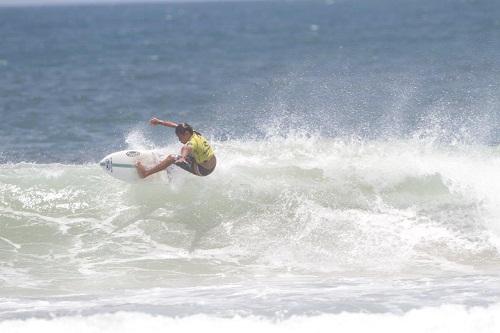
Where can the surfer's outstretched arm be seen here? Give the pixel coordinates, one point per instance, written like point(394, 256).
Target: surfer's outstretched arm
point(156, 121)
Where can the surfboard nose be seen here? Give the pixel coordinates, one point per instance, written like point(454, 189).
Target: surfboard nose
point(107, 164)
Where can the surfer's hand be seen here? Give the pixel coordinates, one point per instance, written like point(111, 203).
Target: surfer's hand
point(181, 160)
point(154, 121)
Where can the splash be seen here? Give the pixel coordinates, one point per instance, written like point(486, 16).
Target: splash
point(136, 140)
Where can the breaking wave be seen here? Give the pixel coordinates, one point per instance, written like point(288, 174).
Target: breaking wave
point(300, 204)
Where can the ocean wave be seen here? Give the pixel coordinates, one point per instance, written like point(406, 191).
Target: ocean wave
point(298, 203)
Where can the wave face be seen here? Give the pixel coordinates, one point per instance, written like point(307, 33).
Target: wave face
point(298, 205)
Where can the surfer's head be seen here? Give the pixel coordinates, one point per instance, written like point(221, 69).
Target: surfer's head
point(184, 132)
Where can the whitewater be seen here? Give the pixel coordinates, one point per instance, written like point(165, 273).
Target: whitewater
point(289, 232)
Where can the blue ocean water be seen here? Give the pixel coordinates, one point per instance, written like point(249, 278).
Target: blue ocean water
point(357, 183)
point(75, 79)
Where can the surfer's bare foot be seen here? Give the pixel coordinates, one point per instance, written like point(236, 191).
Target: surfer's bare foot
point(141, 170)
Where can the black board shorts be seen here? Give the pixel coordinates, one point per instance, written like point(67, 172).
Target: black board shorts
point(190, 165)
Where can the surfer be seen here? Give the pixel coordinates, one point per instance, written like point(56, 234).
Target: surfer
point(197, 156)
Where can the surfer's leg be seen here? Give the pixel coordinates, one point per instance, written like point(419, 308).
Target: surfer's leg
point(191, 166)
point(188, 164)
point(143, 172)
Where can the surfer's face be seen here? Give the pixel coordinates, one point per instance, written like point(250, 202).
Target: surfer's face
point(184, 137)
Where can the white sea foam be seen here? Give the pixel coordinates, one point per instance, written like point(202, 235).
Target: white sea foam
point(291, 208)
point(313, 204)
point(446, 318)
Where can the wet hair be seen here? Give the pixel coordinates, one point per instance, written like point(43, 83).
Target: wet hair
point(183, 128)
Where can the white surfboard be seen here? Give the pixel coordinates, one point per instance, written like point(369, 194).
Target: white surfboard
point(121, 165)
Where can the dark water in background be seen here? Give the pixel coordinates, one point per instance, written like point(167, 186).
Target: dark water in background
point(74, 80)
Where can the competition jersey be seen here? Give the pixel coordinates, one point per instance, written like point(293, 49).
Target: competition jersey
point(202, 151)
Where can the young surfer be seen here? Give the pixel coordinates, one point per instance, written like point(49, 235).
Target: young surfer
point(196, 156)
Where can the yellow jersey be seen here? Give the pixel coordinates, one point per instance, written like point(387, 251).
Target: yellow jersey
point(202, 151)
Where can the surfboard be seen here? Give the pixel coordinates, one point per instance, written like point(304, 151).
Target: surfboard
point(121, 165)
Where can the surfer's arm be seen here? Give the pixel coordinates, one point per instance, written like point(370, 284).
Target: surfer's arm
point(156, 121)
